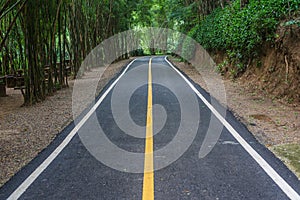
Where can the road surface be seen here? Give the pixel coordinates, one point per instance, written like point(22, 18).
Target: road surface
point(143, 141)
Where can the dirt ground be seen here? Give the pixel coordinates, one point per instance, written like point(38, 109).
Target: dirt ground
point(270, 120)
point(26, 131)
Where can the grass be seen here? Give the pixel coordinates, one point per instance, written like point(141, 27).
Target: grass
point(290, 154)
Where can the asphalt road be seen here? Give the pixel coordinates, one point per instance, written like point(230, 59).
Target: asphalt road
point(106, 159)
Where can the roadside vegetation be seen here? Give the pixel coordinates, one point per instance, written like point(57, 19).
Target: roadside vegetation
point(240, 30)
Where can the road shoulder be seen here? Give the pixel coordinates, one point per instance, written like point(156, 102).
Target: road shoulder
point(273, 123)
point(27, 131)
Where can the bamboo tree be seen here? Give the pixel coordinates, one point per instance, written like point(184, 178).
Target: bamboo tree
point(36, 34)
point(12, 24)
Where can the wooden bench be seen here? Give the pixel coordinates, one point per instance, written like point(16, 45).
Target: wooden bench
point(10, 81)
point(2, 86)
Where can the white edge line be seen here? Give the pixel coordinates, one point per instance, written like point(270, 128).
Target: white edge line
point(35, 174)
point(285, 187)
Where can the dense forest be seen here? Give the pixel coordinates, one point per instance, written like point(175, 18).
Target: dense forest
point(46, 41)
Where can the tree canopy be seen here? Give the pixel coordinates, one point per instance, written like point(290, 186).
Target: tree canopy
point(42, 37)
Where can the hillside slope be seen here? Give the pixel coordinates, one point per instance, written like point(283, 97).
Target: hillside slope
point(277, 72)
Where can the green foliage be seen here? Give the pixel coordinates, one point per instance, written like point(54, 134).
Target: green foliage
point(242, 30)
point(221, 68)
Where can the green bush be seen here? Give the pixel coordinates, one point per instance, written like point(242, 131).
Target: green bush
point(242, 30)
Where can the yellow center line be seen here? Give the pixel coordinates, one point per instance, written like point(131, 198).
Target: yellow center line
point(148, 185)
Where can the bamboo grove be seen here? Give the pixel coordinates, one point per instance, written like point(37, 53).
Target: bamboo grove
point(41, 37)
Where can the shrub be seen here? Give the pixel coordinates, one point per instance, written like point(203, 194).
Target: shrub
point(242, 30)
